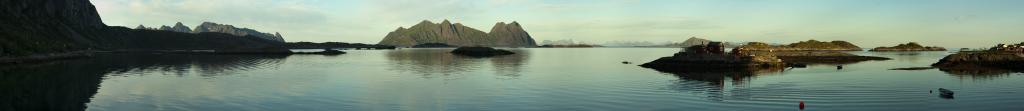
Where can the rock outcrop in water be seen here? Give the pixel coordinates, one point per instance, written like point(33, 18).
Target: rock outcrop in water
point(713, 56)
point(481, 51)
point(502, 35)
point(1000, 57)
point(912, 46)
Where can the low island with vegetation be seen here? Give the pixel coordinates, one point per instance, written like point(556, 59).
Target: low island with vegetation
point(810, 52)
point(810, 45)
point(912, 46)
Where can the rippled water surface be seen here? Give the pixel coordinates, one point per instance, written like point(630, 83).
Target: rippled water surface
point(533, 79)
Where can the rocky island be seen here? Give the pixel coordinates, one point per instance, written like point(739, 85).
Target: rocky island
point(912, 46)
point(713, 57)
point(501, 35)
point(811, 52)
point(480, 51)
point(809, 45)
point(1000, 57)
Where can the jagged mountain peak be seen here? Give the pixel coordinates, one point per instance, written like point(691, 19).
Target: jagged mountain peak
point(230, 29)
point(446, 22)
point(459, 35)
point(141, 27)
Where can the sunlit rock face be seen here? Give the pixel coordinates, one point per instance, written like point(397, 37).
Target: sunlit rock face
point(229, 29)
point(501, 35)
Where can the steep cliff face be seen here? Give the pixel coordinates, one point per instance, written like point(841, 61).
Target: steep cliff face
point(502, 34)
point(42, 27)
point(45, 26)
point(229, 29)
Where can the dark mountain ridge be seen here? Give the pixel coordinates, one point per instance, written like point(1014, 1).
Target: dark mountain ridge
point(43, 27)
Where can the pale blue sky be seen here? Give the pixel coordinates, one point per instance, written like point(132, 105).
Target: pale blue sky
point(868, 23)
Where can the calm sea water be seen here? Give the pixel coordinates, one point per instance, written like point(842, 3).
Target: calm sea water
point(533, 79)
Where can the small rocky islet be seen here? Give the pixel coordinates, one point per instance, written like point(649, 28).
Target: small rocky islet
point(480, 51)
point(912, 46)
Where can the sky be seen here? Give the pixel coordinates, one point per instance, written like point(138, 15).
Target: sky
point(868, 23)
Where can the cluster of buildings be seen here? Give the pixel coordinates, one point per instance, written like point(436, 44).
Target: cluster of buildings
point(1009, 48)
point(709, 48)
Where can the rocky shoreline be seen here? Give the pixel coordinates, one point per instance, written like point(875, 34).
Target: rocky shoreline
point(713, 56)
point(975, 60)
point(1001, 58)
point(45, 57)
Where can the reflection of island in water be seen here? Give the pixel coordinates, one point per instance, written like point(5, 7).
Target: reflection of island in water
point(69, 85)
point(718, 76)
point(438, 62)
point(979, 72)
point(713, 81)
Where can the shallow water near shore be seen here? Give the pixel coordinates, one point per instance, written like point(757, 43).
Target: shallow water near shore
point(532, 79)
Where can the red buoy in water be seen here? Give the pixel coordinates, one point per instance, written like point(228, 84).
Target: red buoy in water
point(801, 105)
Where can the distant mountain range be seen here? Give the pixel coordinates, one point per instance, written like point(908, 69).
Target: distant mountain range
point(502, 34)
point(220, 28)
point(689, 42)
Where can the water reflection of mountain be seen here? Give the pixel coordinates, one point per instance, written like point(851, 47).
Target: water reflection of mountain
point(432, 63)
point(69, 85)
point(204, 65)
